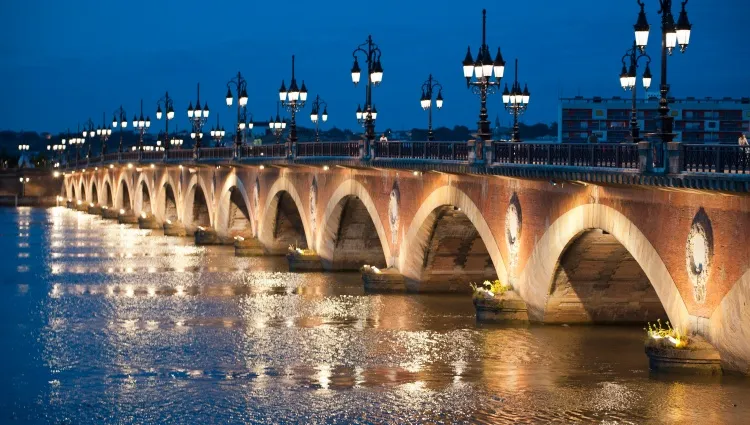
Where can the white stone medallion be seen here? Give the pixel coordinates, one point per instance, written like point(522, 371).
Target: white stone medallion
point(313, 204)
point(393, 214)
point(513, 223)
point(698, 253)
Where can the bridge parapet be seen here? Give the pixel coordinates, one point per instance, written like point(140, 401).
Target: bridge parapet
point(712, 167)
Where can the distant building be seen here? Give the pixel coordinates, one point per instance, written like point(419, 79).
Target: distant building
point(695, 120)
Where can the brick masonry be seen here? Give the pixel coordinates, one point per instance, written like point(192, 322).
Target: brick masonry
point(652, 223)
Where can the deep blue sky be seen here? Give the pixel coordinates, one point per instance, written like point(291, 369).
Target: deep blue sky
point(66, 61)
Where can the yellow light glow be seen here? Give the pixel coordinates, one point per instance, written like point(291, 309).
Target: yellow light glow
point(325, 168)
point(262, 167)
point(111, 166)
point(122, 211)
point(143, 214)
point(169, 221)
point(130, 165)
point(79, 202)
point(152, 165)
point(56, 174)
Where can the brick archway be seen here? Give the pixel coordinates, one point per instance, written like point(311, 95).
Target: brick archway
point(354, 194)
point(281, 188)
point(144, 199)
point(413, 249)
point(166, 207)
point(123, 197)
point(537, 276)
point(189, 207)
point(231, 210)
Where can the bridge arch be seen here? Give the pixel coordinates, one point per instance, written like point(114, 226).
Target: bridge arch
point(108, 198)
point(284, 221)
point(94, 191)
point(352, 207)
point(168, 199)
point(234, 217)
point(451, 204)
point(143, 195)
point(123, 197)
point(82, 191)
point(536, 279)
point(197, 209)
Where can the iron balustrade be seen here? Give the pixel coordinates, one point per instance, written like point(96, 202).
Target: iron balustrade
point(264, 151)
point(186, 154)
point(444, 151)
point(130, 156)
point(111, 157)
point(217, 153)
point(598, 155)
point(716, 159)
point(345, 149)
point(152, 156)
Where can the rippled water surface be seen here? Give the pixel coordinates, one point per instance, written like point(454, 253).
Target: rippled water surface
point(102, 323)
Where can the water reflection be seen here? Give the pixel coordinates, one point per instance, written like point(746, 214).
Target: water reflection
point(142, 328)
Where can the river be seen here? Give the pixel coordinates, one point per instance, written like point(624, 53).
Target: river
point(102, 323)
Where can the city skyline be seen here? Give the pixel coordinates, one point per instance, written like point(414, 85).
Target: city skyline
point(52, 86)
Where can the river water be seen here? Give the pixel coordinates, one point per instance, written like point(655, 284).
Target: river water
point(102, 323)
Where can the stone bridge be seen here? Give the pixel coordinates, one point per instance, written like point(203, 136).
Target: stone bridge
point(578, 245)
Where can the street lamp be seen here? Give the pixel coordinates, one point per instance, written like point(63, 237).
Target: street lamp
point(217, 133)
point(57, 151)
point(628, 82)
point(240, 85)
point(315, 115)
point(482, 69)
point(426, 101)
point(165, 101)
point(367, 116)
point(89, 131)
point(23, 181)
point(516, 102)
point(120, 117)
point(77, 142)
point(293, 100)
point(104, 132)
point(142, 125)
point(671, 35)
point(277, 126)
point(244, 124)
point(197, 119)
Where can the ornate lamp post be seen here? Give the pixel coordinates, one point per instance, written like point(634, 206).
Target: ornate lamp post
point(426, 101)
point(142, 126)
point(482, 69)
point(366, 117)
point(671, 36)
point(165, 101)
point(77, 142)
point(104, 132)
point(244, 124)
point(628, 82)
point(89, 131)
point(217, 133)
point(277, 126)
point(293, 100)
point(516, 102)
point(197, 119)
point(120, 117)
point(315, 115)
point(57, 151)
point(240, 85)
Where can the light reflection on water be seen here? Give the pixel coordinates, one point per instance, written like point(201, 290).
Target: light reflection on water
point(108, 324)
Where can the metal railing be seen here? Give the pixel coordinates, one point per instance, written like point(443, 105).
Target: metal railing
point(716, 159)
point(152, 156)
point(345, 149)
point(216, 153)
point(180, 154)
point(444, 151)
point(264, 151)
point(568, 154)
point(720, 159)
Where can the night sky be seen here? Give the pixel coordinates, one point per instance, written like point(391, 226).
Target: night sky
point(66, 61)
